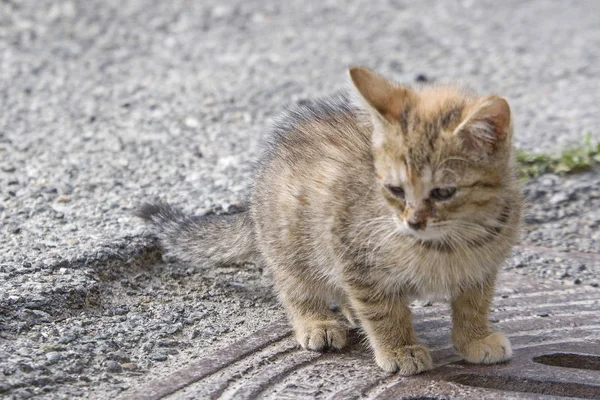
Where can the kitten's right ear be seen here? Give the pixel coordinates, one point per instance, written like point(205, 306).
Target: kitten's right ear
point(382, 96)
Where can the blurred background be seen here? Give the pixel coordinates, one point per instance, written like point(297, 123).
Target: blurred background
point(150, 85)
point(153, 93)
point(138, 88)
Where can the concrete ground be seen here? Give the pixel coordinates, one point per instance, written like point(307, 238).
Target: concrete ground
point(106, 103)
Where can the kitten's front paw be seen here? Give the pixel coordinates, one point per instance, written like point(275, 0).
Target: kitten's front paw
point(406, 360)
point(321, 335)
point(492, 349)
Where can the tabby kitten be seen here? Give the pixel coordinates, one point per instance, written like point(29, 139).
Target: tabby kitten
point(409, 194)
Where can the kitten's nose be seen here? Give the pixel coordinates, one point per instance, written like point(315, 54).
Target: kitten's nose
point(417, 219)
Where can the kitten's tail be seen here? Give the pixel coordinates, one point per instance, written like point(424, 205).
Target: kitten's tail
point(220, 239)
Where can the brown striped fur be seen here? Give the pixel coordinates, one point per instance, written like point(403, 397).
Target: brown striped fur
point(324, 218)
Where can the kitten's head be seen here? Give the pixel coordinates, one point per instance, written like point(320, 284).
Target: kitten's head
point(442, 156)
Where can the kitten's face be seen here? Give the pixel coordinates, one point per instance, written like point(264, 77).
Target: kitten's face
point(441, 157)
point(441, 194)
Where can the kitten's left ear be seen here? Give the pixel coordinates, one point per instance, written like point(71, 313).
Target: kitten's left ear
point(488, 128)
point(382, 96)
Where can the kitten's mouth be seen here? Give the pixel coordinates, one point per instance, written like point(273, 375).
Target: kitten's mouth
point(427, 234)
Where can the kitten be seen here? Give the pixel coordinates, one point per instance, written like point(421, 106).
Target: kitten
point(410, 194)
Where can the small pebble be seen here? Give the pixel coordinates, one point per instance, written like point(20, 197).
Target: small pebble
point(113, 366)
point(173, 329)
point(559, 198)
point(66, 339)
point(129, 366)
point(53, 357)
point(123, 310)
point(158, 357)
point(22, 394)
point(118, 356)
point(191, 122)
point(9, 370)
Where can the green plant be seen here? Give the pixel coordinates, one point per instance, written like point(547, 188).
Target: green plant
point(571, 160)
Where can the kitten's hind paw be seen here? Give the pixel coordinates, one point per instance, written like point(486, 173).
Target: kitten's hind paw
point(321, 335)
point(406, 360)
point(492, 349)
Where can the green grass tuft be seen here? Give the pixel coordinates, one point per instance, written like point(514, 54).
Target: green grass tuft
point(572, 160)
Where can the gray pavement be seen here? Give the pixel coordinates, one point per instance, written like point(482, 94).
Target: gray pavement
point(556, 344)
point(108, 103)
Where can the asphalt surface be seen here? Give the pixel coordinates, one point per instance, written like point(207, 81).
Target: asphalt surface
point(105, 104)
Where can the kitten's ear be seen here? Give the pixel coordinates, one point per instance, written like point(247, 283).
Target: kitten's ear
point(488, 128)
point(383, 96)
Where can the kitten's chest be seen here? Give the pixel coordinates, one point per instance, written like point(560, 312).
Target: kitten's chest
point(429, 274)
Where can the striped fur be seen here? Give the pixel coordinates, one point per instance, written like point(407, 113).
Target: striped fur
point(347, 206)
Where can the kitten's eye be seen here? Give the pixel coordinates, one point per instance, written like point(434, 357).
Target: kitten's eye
point(443, 193)
point(396, 191)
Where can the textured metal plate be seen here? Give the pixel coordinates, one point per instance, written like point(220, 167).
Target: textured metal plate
point(555, 332)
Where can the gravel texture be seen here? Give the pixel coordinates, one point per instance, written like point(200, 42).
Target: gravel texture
point(107, 103)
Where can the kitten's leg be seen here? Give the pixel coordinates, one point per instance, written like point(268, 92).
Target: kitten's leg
point(348, 312)
point(471, 334)
point(387, 320)
point(316, 326)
